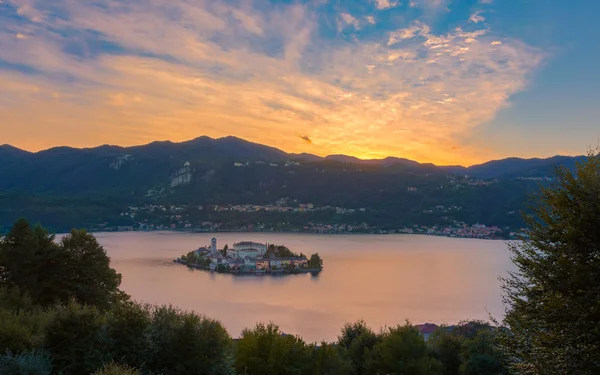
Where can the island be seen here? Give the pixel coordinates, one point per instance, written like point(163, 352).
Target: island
point(248, 257)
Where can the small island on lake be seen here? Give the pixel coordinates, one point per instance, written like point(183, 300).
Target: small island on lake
point(251, 258)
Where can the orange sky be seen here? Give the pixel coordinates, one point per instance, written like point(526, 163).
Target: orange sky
point(131, 74)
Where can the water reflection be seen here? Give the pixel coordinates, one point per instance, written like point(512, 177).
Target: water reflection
point(400, 277)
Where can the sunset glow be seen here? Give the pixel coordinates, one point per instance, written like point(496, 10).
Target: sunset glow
point(365, 78)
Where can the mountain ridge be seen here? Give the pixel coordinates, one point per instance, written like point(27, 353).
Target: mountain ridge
point(308, 157)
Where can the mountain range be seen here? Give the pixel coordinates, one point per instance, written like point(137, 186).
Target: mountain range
point(66, 187)
point(62, 167)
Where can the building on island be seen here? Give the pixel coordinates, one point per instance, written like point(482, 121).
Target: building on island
point(213, 245)
point(262, 263)
point(250, 263)
point(251, 249)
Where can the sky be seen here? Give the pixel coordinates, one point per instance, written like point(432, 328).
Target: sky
point(448, 82)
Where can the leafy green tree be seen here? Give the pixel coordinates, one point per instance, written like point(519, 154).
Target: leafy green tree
point(187, 343)
point(448, 348)
point(128, 326)
point(328, 359)
point(481, 355)
point(27, 363)
point(76, 340)
point(402, 351)
point(553, 310)
point(265, 350)
point(22, 324)
point(89, 277)
point(32, 262)
point(315, 261)
point(357, 339)
point(47, 272)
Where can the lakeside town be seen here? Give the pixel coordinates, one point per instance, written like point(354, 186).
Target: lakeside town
point(248, 257)
point(157, 217)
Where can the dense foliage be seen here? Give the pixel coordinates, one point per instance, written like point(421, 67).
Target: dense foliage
point(55, 293)
point(552, 324)
point(76, 268)
point(83, 324)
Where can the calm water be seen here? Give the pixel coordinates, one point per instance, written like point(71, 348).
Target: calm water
point(382, 279)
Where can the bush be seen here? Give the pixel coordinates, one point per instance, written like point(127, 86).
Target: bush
point(402, 351)
point(128, 326)
point(265, 350)
point(358, 340)
point(115, 369)
point(21, 329)
point(28, 363)
point(188, 343)
point(77, 341)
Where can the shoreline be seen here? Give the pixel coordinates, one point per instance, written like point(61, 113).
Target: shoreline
point(303, 233)
point(299, 271)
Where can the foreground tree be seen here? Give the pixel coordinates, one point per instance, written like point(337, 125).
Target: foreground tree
point(88, 274)
point(357, 339)
point(265, 350)
point(31, 262)
point(77, 268)
point(184, 343)
point(402, 351)
point(553, 319)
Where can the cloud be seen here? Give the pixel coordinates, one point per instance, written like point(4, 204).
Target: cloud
point(496, 43)
point(386, 4)
point(370, 19)
point(144, 70)
point(477, 17)
point(346, 19)
point(417, 28)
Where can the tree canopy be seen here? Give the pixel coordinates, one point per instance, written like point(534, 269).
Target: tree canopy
point(552, 322)
point(76, 268)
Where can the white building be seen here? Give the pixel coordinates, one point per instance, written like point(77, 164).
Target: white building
point(213, 246)
point(251, 249)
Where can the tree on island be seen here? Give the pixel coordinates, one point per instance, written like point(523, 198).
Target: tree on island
point(552, 321)
point(225, 248)
point(315, 261)
point(280, 251)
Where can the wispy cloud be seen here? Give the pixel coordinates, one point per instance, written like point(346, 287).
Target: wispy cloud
point(386, 4)
point(477, 17)
point(346, 19)
point(137, 71)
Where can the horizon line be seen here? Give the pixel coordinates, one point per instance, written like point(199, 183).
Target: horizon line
point(276, 148)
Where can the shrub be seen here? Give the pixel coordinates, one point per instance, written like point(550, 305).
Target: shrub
point(27, 363)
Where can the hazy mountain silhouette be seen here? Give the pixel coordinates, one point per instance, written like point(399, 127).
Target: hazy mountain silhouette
point(107, 167)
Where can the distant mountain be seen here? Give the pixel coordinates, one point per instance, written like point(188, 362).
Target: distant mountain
point(69, 186)
point(140, 168)
point(516, 167)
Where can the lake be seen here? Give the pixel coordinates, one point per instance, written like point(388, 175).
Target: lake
point(383, 279)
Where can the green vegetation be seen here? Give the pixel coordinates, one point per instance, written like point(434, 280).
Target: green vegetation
point(471, 348)
point(315, 261)
point(552, 324)
point(107, 333)
point(280, 251)
point(61, 312)
point(76, 268)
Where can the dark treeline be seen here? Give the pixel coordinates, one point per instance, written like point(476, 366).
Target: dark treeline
point(62, 312)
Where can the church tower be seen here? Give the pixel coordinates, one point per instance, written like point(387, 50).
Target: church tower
point(213, 245)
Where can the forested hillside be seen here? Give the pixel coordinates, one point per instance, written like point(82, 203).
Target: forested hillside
point(67, 187)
